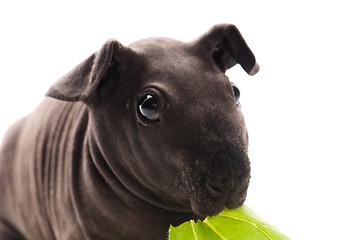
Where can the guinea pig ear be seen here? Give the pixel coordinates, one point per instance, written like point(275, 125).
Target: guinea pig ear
point(81, 82)
point(228, 48)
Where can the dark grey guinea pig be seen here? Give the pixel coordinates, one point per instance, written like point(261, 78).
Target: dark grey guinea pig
point(132, 140)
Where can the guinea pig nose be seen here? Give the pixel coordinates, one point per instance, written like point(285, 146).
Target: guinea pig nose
point(214, 191)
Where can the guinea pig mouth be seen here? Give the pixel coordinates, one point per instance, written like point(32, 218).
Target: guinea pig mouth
point(210, 207)
point(213, 200)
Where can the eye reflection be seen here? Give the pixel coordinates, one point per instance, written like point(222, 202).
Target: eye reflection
point(149, 107)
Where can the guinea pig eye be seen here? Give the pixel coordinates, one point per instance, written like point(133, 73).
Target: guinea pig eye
point(236, 92)
point(148, 107)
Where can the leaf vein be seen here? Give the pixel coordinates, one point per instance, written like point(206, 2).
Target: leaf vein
point(251, 223)
point(194, 230)
point(214, 229)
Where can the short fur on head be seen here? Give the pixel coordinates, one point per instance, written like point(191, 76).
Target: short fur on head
point(152, 136)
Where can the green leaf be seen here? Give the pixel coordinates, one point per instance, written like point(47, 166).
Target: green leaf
point(240, 224)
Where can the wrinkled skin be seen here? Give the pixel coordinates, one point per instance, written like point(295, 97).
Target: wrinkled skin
point(86, 164)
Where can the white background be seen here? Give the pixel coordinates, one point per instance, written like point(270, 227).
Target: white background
point(302, 108)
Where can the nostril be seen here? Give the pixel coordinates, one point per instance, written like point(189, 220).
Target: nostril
point(214, 191)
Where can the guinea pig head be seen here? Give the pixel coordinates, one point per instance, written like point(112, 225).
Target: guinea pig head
point(168, 119)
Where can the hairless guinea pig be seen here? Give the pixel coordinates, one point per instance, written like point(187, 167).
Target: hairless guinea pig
point(133, 139)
